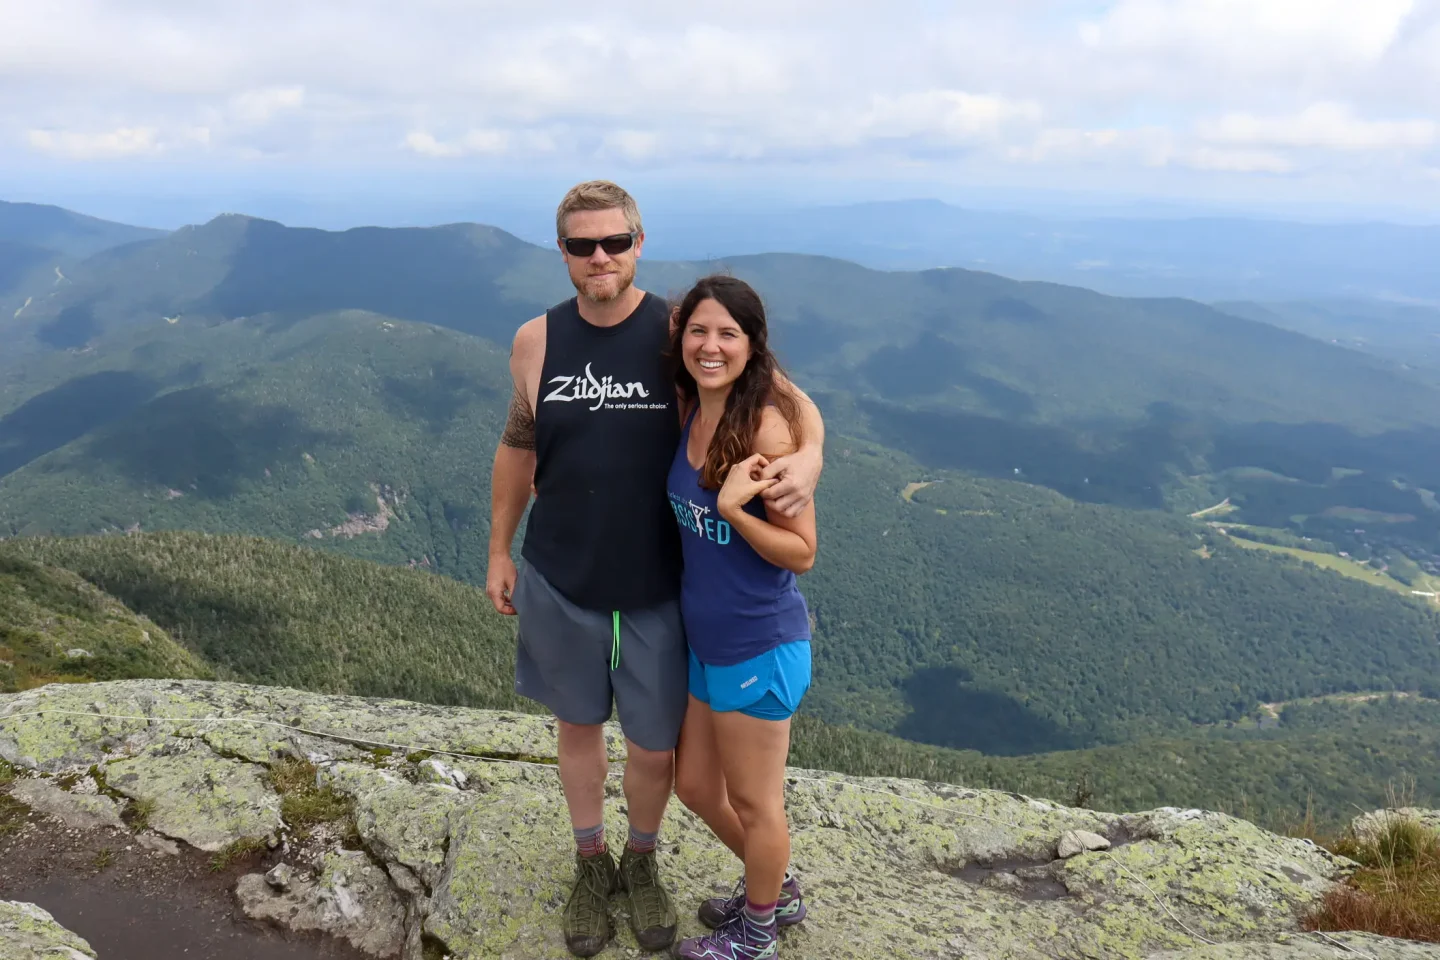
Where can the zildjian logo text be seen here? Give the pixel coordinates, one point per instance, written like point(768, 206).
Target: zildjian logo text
point(590, 388)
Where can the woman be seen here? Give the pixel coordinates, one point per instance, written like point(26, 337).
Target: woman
point(747, 624)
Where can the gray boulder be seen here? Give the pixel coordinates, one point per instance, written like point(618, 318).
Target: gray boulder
point(473, 850)
point(29, 933)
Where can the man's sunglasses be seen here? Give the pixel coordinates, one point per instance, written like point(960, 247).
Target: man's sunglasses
point(585, 246)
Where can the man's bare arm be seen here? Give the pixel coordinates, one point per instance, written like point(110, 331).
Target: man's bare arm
point(512, 475)
point(519, 423)
point(799, 473)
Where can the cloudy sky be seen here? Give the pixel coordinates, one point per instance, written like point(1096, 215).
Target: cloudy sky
point(1323, 102)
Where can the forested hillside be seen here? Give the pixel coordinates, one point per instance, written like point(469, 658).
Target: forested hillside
point(55, 627)
point(254, 610)
point(1149, 403)
point(1004, 617)
point(268, 613)
point(237, 378)
point(65, 232)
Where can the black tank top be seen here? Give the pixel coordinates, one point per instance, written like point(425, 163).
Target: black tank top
point(606, 429)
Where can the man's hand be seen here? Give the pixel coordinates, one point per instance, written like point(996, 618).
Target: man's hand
point(500, 582)
point(798, 474)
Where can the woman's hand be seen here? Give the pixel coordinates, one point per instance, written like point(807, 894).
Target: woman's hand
point(742, 484)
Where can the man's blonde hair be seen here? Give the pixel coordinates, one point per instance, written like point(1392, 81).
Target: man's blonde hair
point(597, 195)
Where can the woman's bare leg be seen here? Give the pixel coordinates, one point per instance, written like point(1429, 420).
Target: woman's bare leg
point(700, 778)
point(752, 754)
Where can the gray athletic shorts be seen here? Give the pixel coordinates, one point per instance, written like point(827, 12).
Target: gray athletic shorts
point(563, 660)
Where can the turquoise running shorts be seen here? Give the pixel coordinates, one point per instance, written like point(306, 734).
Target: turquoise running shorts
point(768, 687)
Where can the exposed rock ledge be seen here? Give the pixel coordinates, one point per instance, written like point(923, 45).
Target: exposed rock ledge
point(475, 853)
point(29, 933)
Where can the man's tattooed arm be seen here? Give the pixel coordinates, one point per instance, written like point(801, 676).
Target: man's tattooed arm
point(520, 423)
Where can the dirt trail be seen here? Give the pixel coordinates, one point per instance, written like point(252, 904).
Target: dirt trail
point(143, 905)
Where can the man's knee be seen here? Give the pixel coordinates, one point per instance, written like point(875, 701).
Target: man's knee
point(660, 762)
point(580, 731)
point(582, 741)
point(649, 767)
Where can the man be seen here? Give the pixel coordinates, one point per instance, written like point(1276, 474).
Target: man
point(594, 425)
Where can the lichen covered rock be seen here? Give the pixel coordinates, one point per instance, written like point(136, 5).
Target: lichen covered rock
point(1312, 946)
point(1368, 825)
point(29, 933)
point(197, 796)
point(472, 848)
point(80, 811)
point(351, 898)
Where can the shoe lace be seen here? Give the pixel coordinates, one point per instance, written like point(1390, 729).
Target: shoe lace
point(737, 899)
point(730, 939)
point(593, 880)
point(642, 876)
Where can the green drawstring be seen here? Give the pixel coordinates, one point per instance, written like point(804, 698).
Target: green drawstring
point(615, 649)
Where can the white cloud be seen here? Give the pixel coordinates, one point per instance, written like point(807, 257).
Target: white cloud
point(1264, 31)
point(485, 142)
point(111, 144)
point(425, 144)
point(634, 144)
point(120, 142)
point(1239, 161)
point(259, 106)
point(1036, 90)
point(947, 115)
point(1329, 126)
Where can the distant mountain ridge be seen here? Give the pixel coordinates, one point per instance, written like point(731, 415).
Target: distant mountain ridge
point(65, 232)
point(1010, 347)
point(1104, 399)
point(242, 376)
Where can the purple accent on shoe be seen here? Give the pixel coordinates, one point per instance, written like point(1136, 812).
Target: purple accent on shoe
point(789, 911)
point(739, 938)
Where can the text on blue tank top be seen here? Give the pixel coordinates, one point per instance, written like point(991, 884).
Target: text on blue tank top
point(736, 604)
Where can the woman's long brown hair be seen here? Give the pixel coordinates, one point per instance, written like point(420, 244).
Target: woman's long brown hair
point(761, 383)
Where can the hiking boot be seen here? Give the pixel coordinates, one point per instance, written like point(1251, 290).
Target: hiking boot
point(738, 938)
point(788, 911)
point(652, 915)
point(587, 913)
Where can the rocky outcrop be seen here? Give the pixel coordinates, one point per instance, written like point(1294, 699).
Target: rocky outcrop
point(29, 933)
point(1368, 826)
point(1330, 946)
point(79, 811)
point(464, 841)
point(352, 898)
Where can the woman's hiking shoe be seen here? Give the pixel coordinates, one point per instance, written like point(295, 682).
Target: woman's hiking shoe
point(789, 911)
point(738, 938)
point(587, 913)
point(652, 915)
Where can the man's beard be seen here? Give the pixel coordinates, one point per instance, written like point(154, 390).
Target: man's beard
point(613, 287)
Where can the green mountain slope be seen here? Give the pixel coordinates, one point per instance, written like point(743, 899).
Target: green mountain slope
point(233, 378)
point(57, 627)
point(270, 427)
point(1406, 333)
point(265, 612)
point(979, 613)
point(65, 232)
point(1004, 617)
point(1324, 762)
point(965, 340)
point(269, 613)
point(1135, 402)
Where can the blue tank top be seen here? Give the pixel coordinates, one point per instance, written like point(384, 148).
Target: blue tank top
point(736, 604)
